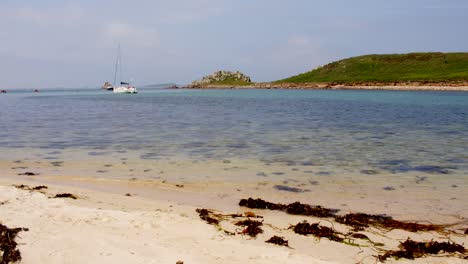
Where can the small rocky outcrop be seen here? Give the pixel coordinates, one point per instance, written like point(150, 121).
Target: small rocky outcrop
point(222, 78)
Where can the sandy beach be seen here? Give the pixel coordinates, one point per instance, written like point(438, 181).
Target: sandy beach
point(324, 86)
point(125, 221)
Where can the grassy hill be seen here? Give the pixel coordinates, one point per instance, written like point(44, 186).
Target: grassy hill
point(415, 67)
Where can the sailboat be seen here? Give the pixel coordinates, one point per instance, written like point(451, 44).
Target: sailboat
point(122, 87)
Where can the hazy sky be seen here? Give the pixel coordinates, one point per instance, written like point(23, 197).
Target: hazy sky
point(59, 43)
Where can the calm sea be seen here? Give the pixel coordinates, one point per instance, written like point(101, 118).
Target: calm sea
point(360, 131)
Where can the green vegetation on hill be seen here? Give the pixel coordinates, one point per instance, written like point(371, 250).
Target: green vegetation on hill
point(415, 67)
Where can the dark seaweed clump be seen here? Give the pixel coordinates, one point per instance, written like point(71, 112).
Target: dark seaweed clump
point(280, 241)
point(26, 187)
point(28, 173)
point(40, 187)
point(317, 230)
point(261, 204)
point(66, 195)
point(359, 221)
point(358, 236)
point(8, 251)
point(252, 227)
point(205, 216)
point(411, 249)
point(296, 208)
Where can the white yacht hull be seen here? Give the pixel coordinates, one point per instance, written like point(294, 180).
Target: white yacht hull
point(125, 89)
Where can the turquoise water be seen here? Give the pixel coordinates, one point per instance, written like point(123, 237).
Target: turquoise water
point(360, 131)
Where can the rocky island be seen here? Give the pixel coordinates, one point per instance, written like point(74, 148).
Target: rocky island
point(223, 79)
point(413, 71)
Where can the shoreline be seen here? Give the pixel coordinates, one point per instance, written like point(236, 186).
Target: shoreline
point(410, 86)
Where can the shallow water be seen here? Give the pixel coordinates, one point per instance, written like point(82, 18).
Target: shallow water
point(316, 131)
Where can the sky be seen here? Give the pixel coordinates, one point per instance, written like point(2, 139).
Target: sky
point(60, 43)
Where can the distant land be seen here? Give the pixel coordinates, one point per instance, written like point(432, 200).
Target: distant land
point(158, 86)
point(413, 71)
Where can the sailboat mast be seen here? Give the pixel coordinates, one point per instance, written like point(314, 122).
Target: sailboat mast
point(117, 68)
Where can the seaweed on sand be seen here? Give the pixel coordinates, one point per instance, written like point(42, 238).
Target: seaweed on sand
point(359, 221)
point(27, 188)
point(252, 227)
point(280, 241)
point(205, 216)
point(38, 188)
point(317, 230)
point(22, 187)
point(296, 208)
point(411, 249)
point(66, 195)
point(8, 251)
point(28, 173)
point(261, 204)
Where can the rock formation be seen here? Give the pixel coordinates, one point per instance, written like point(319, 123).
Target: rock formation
point(220, 77)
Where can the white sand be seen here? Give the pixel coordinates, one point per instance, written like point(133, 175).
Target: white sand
point(108, 228)
point(62, 232)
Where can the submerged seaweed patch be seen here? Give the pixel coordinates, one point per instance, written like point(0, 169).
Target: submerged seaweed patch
point(420, 179)
point(95, 153)
point(369, 172)
point(434, 169)
point(399, 166)
point(56, 163)
point(290, 189)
